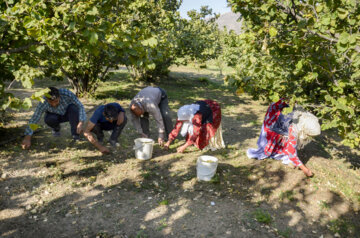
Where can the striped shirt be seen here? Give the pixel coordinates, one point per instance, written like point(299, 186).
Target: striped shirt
point(66, 98)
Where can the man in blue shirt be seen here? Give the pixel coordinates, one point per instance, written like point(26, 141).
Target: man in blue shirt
point(105, 118)
point(60, 105)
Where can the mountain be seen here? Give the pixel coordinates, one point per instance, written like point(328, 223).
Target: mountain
point(230, 21)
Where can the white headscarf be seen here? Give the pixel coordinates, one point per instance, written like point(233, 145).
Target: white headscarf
point(186, 113)
point(307, 125)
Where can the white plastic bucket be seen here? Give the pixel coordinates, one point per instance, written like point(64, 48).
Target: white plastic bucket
point(206, 167)
point(143, 148)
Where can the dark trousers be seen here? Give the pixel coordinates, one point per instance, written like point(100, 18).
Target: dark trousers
point(107, 126)
point(165, 113)
point(72, 115)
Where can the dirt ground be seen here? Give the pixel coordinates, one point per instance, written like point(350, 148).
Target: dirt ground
point(64, 189)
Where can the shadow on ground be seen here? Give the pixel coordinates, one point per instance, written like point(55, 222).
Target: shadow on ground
point(74, 192)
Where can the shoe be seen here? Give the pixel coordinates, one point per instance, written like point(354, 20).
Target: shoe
point(76, 138)
point(114, 143)
point(56, 133)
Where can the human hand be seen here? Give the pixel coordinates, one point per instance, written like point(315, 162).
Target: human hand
point(167, 145)
point(308, 173)
point(79, 128)
point(104, 150)
point(26, 143)
point(160, 141)
point(181, 149)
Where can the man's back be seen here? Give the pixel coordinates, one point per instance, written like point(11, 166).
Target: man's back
point(148, 98)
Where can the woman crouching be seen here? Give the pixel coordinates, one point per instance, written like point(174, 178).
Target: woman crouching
point(200, 123)
point(282, 135)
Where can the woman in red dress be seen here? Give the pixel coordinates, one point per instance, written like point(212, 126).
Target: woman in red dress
point(201, 124)
point(281, 136)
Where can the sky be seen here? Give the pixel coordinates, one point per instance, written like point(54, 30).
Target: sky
point(218, 6)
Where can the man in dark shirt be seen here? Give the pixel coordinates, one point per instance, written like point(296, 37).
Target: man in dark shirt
point(105, 118)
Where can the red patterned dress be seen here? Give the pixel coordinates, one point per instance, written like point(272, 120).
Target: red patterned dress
point(272, 144)
point(202, 132)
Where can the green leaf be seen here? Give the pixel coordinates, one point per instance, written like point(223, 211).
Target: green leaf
point(319, 8)
point(342, 13)
point(275, 97)
point(265, 7)
point(71, 26)
point(34, 126)
point(28, 22)
point(342, 101)
point(151, 66)
point(299, 65)
point(93, 37)
point(352, 39)
point(352, 21)
point(344, 37)
point(326, 21)
point(27, 103)
point(94, 11)
point(273, 32)
point(152, 42)
point(27, 82)
point(40, 49)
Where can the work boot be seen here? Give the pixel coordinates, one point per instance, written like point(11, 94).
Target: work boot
point(76, 138)
point(56, 133)
point(114, 143)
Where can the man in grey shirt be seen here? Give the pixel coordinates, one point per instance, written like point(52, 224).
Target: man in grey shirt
point(153, 101)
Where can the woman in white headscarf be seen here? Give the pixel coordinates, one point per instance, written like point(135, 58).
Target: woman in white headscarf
point(281, 135)
point(200, 123)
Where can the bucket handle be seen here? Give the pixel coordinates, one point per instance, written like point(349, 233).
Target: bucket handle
point(141, 146)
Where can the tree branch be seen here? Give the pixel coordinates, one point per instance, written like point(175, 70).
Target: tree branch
point(20, 49)
point(104, 73)
point(287, 10)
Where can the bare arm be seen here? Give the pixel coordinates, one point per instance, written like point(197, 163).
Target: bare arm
point(120, 118)
point(92, 139)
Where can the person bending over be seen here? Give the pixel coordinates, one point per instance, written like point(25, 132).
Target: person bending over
point(59, 106)
point(200, 123)
point(282, 135)
point(151, 101)
point(109, 117)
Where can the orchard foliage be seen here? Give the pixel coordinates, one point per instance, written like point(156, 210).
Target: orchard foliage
point(307, 51)
point(231, 48)
point(199, 39)
point(58, 39)
point(153, 31)
point(82, 40)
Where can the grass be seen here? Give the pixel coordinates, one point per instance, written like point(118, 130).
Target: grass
point(285, 233)
point(289, 195)
point(162, 224)
point(215, 179)
point(147, 174)
point(324, 205)
point(141, 234)
point(342, 227)
point(262, 216)
point(164, 202)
